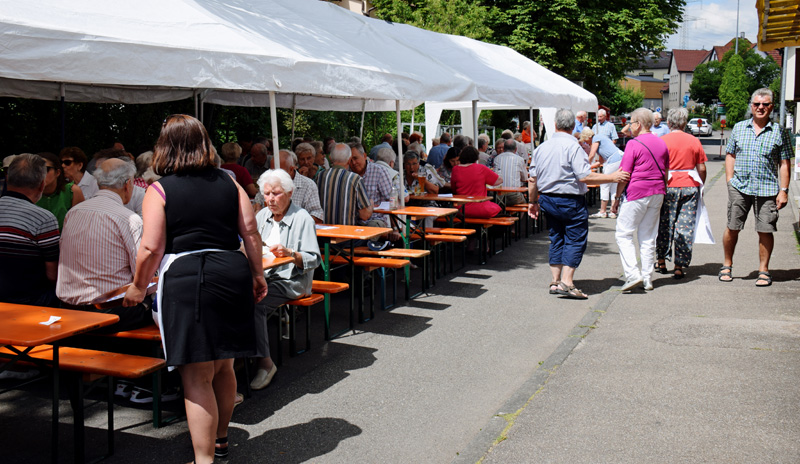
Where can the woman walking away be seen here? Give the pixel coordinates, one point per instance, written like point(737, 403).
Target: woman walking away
point(647, 160)
point(687, 173)
point(193, 217)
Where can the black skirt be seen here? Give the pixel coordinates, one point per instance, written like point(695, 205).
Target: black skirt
point(207, 308)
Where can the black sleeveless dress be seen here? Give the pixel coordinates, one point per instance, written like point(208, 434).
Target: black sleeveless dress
point(207, 296)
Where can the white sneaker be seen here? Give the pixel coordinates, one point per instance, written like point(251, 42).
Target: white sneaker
point(648, 284)
point(632, 283)
point(263, 378)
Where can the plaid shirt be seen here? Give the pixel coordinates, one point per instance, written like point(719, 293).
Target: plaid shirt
point(758, 157)
point(378, 185)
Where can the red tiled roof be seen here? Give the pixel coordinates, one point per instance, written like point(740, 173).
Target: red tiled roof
point(776, 55)
point(665, 88)
point(687, 60)
point(721, 51)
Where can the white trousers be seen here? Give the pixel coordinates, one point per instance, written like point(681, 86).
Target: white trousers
point(640, 215)
point(609, 191)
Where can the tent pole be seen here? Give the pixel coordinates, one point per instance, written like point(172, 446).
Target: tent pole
point(294, 111)
point(201, 110)
point(783, 86)
point(475, 122)
point(399, 163)
point(63, 114)
point(196, 109)
point(363, 108)
point(530, 128)
point(412, 122)
point(273, 116)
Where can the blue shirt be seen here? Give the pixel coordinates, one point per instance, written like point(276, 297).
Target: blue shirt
point(607, 149)
point(607, 128)
point(436, 156)
point(660, 130)
point(578, 127)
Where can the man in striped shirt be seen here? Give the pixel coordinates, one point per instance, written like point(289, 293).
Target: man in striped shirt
point(28, 237)
point(98, 247)
point(342, 192)
point(511, 167)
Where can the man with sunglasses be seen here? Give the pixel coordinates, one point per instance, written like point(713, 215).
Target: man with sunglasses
point(757, 170)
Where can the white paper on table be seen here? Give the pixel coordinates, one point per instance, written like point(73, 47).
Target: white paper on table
point(52, 320)
point(321, 227)
point(446, 195)
point(122, 295)
point(385, 205)
point(266, 253)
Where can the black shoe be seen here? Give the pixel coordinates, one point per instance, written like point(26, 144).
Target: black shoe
point(378, 246)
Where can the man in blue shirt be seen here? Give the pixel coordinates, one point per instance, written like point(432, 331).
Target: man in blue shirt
point(604, 126)
point(436, 155)
point(658, 128)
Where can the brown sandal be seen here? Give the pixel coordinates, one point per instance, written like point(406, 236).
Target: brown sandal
point(554, 288)
point(572, 292)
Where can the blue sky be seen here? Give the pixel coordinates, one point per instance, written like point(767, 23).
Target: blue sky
point(716, 23)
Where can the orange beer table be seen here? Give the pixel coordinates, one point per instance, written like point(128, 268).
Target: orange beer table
point(21, 332)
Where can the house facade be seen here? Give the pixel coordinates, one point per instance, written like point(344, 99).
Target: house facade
point(681, 73)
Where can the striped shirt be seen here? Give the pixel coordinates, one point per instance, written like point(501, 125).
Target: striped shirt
point(511, 168)
point(28, 240)
point(758, 157)
point(98, 248)
point(342, 194)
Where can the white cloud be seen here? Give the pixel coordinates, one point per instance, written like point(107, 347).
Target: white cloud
point(716, 23)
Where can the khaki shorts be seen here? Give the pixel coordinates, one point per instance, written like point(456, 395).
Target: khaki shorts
point(739, 204)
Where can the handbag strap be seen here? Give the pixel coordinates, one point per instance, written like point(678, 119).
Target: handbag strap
point(654, 160)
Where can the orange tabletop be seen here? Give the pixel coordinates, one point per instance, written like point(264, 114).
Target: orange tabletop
point(339, 233)
point(21, 324)
point(268, 262)
point(451, 199)
point(420, 211)
point(507, 189)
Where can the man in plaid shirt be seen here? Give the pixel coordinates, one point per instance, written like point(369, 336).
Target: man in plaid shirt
point(757, 170)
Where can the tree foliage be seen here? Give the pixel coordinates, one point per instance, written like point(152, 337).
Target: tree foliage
point(457, 17)
point(706, 81)
point(734, 89)
point(623, 100)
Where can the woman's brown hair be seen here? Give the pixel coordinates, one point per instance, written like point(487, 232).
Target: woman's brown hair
point(182, 147)
point(76, 154)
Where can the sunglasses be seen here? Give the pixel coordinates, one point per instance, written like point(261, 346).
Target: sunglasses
point(756, 105)
point(67, 162)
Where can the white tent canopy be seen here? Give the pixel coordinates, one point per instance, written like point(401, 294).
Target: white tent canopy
point(152, 50)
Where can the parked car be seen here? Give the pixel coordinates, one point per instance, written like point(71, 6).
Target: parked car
point(699, 126)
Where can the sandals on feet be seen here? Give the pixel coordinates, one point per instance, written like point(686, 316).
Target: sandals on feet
point(678, 274)
point(725, 274)
point(661, 268)
point(570, 291)
point(554, 288)
point(764, 276)
point(221, 448)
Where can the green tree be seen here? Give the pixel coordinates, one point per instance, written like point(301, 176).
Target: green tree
point(458, 17)
point(706, 81)
point(585, 40)
point(622, 100)
point(733, 91)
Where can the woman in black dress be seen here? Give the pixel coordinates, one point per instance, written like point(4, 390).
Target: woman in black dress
point(193, 218)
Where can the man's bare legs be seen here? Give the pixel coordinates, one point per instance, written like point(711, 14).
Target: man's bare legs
point(766, 241)
point(563, 273)
point(729, 240)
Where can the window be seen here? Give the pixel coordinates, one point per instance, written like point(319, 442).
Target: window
point(689, 78)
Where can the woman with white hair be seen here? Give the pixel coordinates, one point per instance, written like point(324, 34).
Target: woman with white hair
point(603, 151)
point(286, 230)
point(647, 160)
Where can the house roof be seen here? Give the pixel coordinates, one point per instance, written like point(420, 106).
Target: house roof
point(720, 51)
point(643, 78)
point(655, 60)
point(687, 60)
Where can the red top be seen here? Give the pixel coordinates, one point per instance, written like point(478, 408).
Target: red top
point(685, 152)
point(243, 176)
point(472, 180)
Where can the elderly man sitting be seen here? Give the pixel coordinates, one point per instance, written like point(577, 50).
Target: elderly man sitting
point(342, 192)
point(29, 243)
point(286, 230)
point(98, 247)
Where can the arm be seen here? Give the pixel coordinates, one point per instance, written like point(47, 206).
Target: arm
point(620, 188)
point(730, 162)
point(248, 230)
point(533, 197)
point(304, 245)
point(51, 270)
point(701, 171)
point(614, 178)
point(785, 168)
point(77, 195)
point(498, 182)
point(151, 249)
point(593, 153)
point(365, 213)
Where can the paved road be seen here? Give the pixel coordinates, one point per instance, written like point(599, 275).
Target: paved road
point(696, 371)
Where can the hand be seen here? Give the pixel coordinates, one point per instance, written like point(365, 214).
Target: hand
point(782, 199)
point(533, 210)
point(134, 296)
point(621, 176)
point(259, 287)
point(279, 251)
point(615, 206)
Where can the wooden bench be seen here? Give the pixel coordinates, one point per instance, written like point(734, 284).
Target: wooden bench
point(303, 302)
point(450, 231)
point(368, 264)
point(85, 363)
point(483, 225)
point(522, 210)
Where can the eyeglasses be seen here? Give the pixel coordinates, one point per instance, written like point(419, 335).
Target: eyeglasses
point(756, 105)
point(50, 167)
point(67, 162)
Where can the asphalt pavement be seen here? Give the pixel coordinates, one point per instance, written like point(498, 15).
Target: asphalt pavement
point(489, 367)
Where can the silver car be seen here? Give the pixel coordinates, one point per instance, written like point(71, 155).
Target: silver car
point(699, 126)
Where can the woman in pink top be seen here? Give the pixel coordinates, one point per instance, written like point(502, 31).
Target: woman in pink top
point(470, 178)
point(646, 158)
point(687, 173)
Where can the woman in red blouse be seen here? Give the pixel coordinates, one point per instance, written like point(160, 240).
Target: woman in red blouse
point(470, 178)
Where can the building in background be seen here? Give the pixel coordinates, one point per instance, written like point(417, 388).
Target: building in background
point(681, 72)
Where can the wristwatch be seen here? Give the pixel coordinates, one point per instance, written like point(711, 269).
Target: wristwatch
point(785, 190)
point(291, 252)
